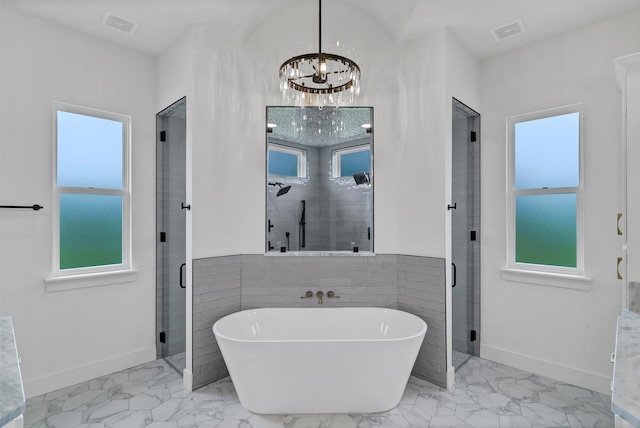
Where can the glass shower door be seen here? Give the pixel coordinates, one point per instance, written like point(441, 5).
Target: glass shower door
point(465, 226)
point(171, 234)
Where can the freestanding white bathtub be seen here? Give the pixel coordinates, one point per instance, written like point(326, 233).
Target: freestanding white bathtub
point(320, 360)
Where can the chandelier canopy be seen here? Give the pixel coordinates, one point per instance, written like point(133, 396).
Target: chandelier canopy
point(319, 78)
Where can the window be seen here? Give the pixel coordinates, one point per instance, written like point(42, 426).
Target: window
point(349, 161)
point(91, 191)
point(287, 161)
point(545, 192)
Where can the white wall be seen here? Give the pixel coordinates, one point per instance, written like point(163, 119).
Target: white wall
point(69, 336)
point(236, 80)
point(562, 333)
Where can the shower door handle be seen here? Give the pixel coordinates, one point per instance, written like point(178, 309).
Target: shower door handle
point(455, 274)
point(182, 266)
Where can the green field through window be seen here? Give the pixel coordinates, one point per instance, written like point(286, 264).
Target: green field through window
point(546, 229)
point(90, 230)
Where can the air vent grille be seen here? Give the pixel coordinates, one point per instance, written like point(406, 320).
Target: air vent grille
point(119, 23)
point(507, 31)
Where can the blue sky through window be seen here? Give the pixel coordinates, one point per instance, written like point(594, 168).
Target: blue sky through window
point(283, 163)
point(353, 162)
point(89, 151)
point(547, 152)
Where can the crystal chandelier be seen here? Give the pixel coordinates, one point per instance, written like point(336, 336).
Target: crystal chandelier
point(319, 79)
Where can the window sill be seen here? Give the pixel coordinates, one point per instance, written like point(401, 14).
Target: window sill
point(63, 283)
point(573, 282)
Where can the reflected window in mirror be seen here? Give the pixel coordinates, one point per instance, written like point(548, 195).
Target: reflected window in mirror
point(288, 161)
point(352, 160)
point(317, 162)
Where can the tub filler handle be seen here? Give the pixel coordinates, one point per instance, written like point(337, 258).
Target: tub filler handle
point(332, 295)
point(307, 295)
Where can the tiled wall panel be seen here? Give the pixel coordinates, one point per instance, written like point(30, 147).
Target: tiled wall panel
point(216, 293)
point(223, 285)
point(421, 291)
point(280, 281)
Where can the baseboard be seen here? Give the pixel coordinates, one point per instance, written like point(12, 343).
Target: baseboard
point(75, 375)
point(548, 369)
point(187, 380)
point(451, 377)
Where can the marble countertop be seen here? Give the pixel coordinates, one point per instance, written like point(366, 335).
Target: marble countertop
point(12, 403)
point(625, 401)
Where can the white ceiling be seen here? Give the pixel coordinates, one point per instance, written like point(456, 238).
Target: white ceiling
point(162, 21)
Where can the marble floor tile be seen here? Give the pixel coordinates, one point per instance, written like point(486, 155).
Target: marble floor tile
point(459, 358)
point(486, 394)
point(178, 361)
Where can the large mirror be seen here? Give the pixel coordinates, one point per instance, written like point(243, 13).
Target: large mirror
point(319, 179)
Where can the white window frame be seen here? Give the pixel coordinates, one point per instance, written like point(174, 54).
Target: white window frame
point(300, 153)
point(536, 273)
point(336, 157)
point(93, 275)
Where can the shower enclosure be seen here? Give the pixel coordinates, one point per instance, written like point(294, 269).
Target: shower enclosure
point(171, 234)
point(465, 229)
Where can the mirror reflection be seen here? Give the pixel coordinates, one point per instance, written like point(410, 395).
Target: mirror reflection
point(319, 179)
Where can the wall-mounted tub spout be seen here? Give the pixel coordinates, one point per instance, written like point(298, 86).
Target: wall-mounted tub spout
point(319, 294)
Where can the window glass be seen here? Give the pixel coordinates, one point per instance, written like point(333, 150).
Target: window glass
point(546, 152)
point(282, 163)
point(545, 223)
point(90, 230)
point(89, 151)
point(353, 162)
point(546, 229)
point(92, 217)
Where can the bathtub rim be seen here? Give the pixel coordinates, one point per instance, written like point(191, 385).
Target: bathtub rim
point(423, 329)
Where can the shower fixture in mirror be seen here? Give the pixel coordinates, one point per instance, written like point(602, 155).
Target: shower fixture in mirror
point(319, 180)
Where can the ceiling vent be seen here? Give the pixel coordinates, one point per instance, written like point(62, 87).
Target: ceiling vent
point(507, 31)
point(119, 23)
